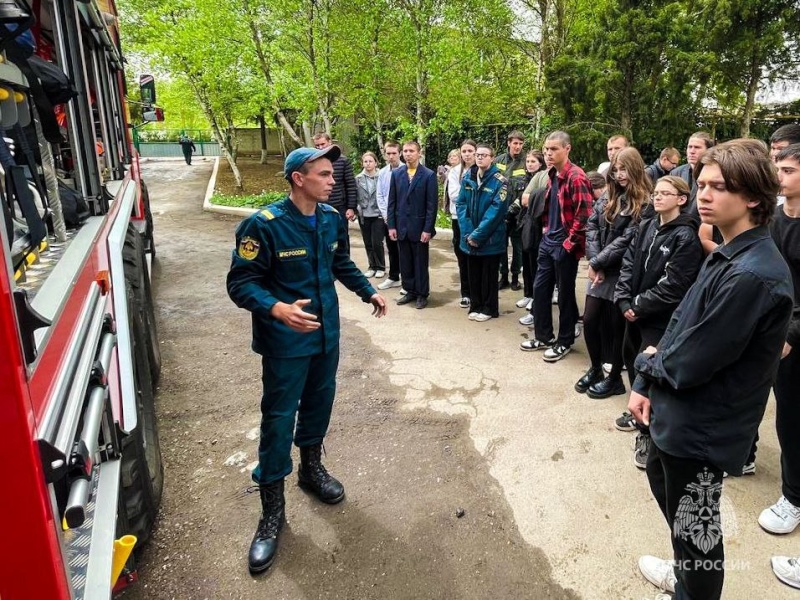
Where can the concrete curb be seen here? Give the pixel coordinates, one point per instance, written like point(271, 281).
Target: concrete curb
point(444, 234)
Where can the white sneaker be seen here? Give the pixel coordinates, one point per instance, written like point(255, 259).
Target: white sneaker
point(380, 274)
point(526, 320)
point(389, 283)
point(471, 316)
point(464, 302)
point(369, 273)
point(480, 317)
point(659, 572)
point(787, 569)
point(523, 302)
point(529, 305)
point(554, 299)
point(781, 517)
point(578, 329)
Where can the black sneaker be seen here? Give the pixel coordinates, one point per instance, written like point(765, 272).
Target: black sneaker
point(626, 422)
point(556, 353)
point(642, 450)
point(533, 345)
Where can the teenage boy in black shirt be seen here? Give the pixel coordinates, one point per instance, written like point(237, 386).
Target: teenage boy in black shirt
point(784, 516)
point(704, 389)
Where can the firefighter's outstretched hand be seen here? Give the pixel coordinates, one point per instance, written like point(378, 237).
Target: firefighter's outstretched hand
point(294, 317)
point(378, 305)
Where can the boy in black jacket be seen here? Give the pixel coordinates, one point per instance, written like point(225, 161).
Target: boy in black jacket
point(658, 268)
point(704, 389)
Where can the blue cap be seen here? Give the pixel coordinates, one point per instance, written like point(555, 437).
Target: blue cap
point(297, 158)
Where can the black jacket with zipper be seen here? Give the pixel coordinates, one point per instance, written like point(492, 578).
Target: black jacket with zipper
point(658, 269)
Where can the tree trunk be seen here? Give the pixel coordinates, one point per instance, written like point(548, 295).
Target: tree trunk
point(421, 93)
point(265, 71)
point(754, 79)
point(263, 127)
point(228, 151)
point(308, 134)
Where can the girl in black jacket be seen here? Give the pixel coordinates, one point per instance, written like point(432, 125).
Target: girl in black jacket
point(658, 268)
point(608, 235)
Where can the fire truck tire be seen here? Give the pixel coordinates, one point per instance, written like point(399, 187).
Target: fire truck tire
point(150, 244)
point(135, 263)
point(142, 470)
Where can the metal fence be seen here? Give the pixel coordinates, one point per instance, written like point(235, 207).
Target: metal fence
point(170, 149)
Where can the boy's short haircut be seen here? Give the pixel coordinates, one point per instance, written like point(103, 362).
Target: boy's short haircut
point(789, 153)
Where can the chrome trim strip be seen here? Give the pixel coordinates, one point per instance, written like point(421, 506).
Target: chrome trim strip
point(55, 404)
point(68, 424)
point(98, 571)
point(116, 241)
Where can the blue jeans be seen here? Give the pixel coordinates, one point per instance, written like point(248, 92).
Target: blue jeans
point(301, 387)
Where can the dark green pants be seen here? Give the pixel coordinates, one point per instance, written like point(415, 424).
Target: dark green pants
point(301, 388)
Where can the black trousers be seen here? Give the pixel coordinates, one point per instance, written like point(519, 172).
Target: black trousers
point(463, 269)
point(787, 422)
point(529, 267)
point(373, 230)
point(515, 237)
point(688, 493)
point(394, 255)
point(604, 327)
point(187, 156)
point(414, 267)
point(483, 284)
point(555, 264)
point(343, 213)
point(638, 336)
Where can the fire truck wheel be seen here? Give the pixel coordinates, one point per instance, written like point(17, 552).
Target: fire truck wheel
point(133, 257)
point(142, 467)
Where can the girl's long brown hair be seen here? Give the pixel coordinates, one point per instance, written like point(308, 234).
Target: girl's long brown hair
point(638, 190)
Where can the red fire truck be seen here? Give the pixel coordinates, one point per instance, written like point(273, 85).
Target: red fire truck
point(79, 354)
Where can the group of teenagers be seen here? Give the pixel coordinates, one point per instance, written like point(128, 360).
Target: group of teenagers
point(693, 279)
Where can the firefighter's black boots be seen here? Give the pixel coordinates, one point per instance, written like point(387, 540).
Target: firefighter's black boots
point(265, 541)
point(314, 478)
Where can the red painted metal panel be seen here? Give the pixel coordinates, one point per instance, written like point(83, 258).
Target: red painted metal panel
point(31, 565)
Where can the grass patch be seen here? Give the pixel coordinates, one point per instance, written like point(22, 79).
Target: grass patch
point(444, 220)
point(256, 201)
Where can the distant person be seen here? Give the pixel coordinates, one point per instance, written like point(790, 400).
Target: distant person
point(391, 152)
point(187, 147)
point(344, 197)
point(698, 143)
point(783, 137)
point(669, 159)
point(455, 177)
point(511, 165)
point(369, 216)
point(283, 269)
point(615, 144)
point(530, 228)
point(413, 201)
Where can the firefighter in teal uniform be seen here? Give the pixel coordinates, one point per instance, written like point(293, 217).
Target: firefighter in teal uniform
point(283, 269)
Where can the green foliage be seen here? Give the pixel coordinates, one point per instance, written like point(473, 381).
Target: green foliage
point(256, 201)
point(444, 220)
point(443, 70)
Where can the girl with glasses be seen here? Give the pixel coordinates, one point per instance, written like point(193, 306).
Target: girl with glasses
point(661, 263)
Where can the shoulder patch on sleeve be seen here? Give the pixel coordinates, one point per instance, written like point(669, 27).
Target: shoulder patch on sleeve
point(268, 214)
point(327, 207)
point(500, 177)
point(248, 248)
